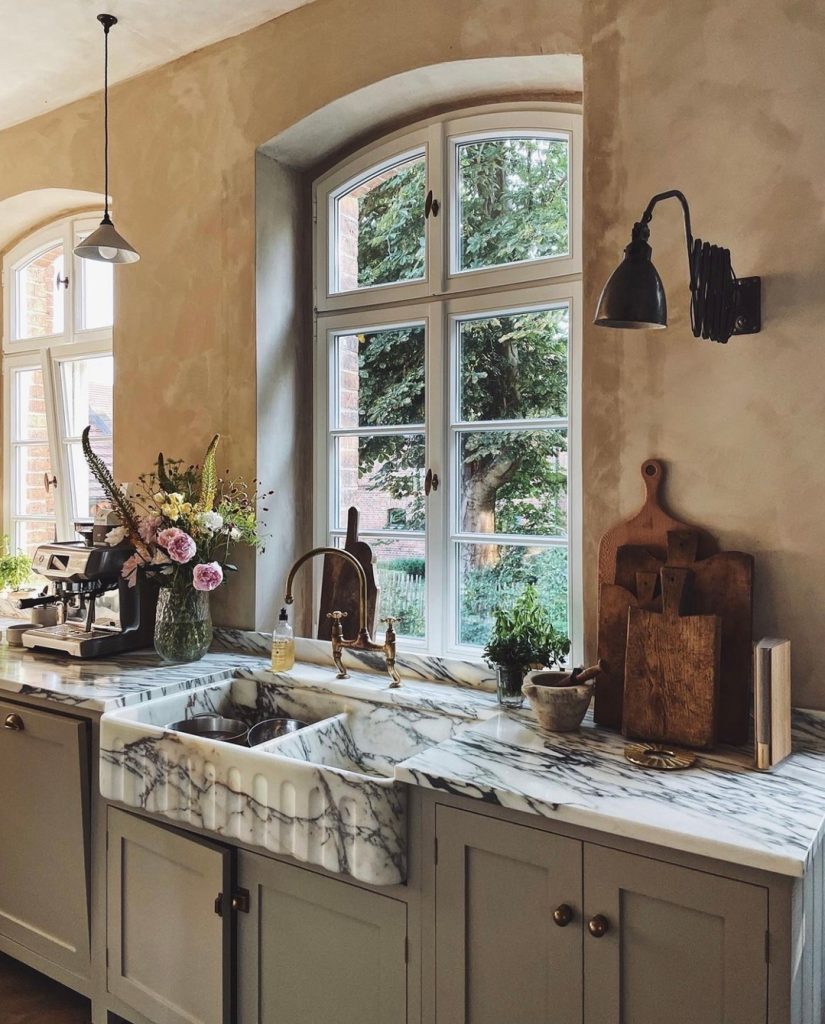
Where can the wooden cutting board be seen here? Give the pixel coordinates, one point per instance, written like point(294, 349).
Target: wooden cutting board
point(648, 528)
point(672, 670)
point(723, 585)
point(339, 585)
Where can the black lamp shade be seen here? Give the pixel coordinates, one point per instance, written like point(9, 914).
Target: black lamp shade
point(634, 297)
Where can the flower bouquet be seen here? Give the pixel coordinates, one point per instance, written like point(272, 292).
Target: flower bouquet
point(181, 523)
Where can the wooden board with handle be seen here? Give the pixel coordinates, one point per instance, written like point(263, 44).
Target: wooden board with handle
point(339, 585)
point(672, 670)
point(648, 528)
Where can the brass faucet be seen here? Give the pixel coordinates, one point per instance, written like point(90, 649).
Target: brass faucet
point(363, 641)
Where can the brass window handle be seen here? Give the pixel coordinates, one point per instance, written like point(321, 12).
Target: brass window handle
point(598, 926)
point(563, 915)
point(431, 482)
point(431, 206)
point(49, 481)
point(14, 722)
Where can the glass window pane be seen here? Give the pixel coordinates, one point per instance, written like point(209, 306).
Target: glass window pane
point(87, 395)
point(38, 296)
point(490, 575)
point(29, 406)
point(380, 377)
point(513, 367)
point(399, 566)
point(513, 201)
point(513, 481)
point(29, 535)
point(97, 293)
point(379, 227)
point(383, 476)
point(32, 462)
point(86, 491)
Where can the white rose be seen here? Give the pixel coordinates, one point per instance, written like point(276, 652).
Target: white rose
point(211, 521)
point(234, 534)
point(116, 535)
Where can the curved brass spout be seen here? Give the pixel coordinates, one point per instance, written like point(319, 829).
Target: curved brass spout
point(363, 641)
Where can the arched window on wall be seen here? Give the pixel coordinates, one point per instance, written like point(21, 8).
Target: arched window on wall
point(57, 369)
point(447, 353)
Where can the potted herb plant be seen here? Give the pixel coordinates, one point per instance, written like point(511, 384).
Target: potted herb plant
point(15, 569)
point(523, 637)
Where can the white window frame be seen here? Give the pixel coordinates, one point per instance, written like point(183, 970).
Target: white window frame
point(447, 296)
point(47, 354)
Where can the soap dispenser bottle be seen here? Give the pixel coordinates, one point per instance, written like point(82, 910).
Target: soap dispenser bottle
point(283, 644)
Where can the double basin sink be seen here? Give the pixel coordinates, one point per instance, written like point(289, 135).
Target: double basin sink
point(325, 794)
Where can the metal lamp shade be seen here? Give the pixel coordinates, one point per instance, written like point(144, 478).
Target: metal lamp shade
point(634, 297)
point(106, 246)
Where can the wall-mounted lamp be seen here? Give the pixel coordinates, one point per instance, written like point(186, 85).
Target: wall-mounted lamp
point(105, 243)
point(721, 304)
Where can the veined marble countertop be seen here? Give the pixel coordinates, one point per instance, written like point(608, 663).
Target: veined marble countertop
point(721, 808)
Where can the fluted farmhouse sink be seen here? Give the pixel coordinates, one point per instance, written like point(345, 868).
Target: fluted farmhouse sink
point(325, 795)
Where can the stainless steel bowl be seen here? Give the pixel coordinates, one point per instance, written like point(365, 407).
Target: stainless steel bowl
point(271, 729)
point(212, 727)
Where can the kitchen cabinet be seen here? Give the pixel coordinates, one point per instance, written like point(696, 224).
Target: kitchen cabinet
point(169, 923)
point(546, 929)
point(313, 949)
point(44, 838)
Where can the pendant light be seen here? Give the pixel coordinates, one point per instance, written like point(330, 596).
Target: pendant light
point(105, 244)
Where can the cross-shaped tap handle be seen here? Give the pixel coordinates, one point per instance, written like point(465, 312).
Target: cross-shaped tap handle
point(337, 616)
point(390, 620)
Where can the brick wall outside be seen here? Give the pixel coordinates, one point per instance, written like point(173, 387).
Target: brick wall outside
point(41, 301)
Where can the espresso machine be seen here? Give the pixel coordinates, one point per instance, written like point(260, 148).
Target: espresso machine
point(98, 613)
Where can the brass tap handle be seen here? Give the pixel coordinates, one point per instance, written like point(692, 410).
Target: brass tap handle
point(389, 622)
point(563, 915)
point(598, 926)
point(337, 616)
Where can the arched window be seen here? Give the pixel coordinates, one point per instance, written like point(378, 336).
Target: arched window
point(57, 369)
point(447, 349)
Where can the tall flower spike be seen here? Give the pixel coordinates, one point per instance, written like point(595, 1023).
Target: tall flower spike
point(209, 476)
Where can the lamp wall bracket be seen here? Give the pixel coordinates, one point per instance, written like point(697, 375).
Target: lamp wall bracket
point(748, 305)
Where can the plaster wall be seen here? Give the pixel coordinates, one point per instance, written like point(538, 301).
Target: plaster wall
point(720, 100)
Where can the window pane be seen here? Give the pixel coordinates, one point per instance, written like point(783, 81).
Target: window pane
point(38, 297)
point(380, 377)
point(513, 367)
point(379, 227)
point(29, 408)
point(513, 481)
point(97, 293)
point(87, 395)
point(28, 536)
point(86, 491)
point(399, 567)
point(383, 476)
point(490, 575)
point(31, 464)
point(513, 201)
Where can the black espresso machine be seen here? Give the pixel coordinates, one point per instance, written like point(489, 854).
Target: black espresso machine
point(81, 575)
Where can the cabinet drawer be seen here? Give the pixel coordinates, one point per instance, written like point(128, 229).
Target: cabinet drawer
point(44, 793)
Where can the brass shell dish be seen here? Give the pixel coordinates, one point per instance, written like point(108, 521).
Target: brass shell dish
point(660, 756)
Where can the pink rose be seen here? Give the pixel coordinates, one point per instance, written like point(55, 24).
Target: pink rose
point(148, 529)
point(207, 576)
point(179, 545)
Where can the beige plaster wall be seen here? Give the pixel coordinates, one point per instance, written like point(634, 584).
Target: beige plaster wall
point(721, 100)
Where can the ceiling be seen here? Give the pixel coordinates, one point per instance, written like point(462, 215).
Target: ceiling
point(51, 51)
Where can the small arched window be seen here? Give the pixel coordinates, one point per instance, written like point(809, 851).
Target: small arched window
point(57, 368)
point(448, 325)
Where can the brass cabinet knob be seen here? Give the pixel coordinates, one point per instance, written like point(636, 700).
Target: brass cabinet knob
point(563, 915)
point(598, 926)
point(14, 722)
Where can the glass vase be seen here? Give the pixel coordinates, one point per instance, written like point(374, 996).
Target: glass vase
point(183, 624)
point(508, 685)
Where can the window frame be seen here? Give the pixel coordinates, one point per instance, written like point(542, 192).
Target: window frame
point(47, 354)
point(438, 302)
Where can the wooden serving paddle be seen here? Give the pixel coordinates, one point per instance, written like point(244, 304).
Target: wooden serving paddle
point(339, 585)
point(672, 670)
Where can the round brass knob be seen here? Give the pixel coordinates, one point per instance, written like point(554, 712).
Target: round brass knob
point(14, 722)
point(563, 915)
point(598, 926)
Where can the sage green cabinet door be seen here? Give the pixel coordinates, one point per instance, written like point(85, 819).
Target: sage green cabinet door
point(168, 949)
point(317, 950)
point(44, 837)
point(500, 956)
point(681, 946)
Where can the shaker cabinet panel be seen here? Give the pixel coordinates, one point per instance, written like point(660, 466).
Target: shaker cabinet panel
point(44, 839)
point(680, 945)
point(317, 950)
point(168, 948)
point(500, 954)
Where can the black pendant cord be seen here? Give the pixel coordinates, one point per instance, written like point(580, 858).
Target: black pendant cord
point(712, 280)
point(106, 20)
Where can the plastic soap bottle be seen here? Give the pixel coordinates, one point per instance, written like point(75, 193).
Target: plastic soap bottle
point(283, 644)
